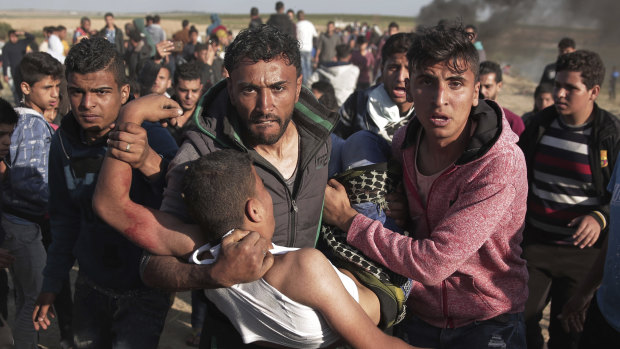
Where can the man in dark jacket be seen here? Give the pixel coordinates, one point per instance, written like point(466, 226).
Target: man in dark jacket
point(282, 21)
point(261, 110)
point(570, 149)
point(112, 306)
point(113, 33)
point(12, 54)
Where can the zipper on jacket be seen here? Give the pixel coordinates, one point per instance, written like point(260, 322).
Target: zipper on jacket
point(444, 295)
point(295, 210)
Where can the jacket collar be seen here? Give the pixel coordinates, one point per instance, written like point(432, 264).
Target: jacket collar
point(488, 116)
point(216, 116)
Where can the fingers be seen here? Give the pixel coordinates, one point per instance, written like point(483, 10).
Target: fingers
point(335, 184)
point(39, 316)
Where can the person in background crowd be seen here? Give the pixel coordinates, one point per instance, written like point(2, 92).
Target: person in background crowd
point(282, 21)
point(490, 85)
point(306, 32)
point(341, 74)
point(326, 45)
point(83, 31)
point(112, 33)
point(570, 149)
point(473, 33)
point(364, 59)
point(566, 45)
point(543, 98)
point(255, 19)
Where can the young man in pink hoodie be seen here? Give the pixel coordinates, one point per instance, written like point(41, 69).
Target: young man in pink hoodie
point(466, 187)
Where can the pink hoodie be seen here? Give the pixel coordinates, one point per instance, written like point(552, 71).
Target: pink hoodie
point(464, 256)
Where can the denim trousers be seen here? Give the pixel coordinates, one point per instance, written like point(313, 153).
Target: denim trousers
point(306, 66)
point(506, 331)
point(23, 241)
point(106, 319)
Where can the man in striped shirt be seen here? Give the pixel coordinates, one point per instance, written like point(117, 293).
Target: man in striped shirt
point(570, 149)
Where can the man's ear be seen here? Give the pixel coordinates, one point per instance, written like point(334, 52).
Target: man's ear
point(499, 85)
point(25, 88)
point(254, 210)
point(125, 93)
point(594, 92)
point(476, 95)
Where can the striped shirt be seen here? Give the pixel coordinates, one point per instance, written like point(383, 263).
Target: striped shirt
point(562, 187)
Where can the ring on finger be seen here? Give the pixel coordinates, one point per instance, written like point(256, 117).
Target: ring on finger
point(128, 147)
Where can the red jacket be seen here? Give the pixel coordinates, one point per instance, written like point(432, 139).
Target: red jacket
point(464, 256)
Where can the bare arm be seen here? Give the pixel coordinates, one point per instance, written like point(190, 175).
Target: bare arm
point(155, 231)
point(312, 281)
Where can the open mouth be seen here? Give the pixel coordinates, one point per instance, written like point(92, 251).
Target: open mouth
point(400, 92)
point(439, 120)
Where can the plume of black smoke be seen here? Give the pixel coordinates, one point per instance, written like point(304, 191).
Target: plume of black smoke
point(495, 17)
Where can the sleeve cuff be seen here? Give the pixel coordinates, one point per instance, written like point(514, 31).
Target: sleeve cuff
point(600, 218)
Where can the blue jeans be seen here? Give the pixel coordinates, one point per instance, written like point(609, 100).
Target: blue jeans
point(24, 242)
point(105, 319)
point(506, 331)
point(306, 66)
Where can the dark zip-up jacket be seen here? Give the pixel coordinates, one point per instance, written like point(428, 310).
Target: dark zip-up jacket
point(297, 212)
point(604, 140)
point(105, 256)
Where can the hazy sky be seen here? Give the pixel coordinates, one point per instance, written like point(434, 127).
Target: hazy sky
point(380, 7)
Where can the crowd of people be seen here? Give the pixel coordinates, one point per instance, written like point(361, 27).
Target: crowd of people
point(311, 190)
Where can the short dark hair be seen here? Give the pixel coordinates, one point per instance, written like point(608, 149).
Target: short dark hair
point(343, 51)
point(185, 23)
point(443, 44)
point(84, 20)
point(11, 32)
point(156, 19)
point(588, 63)
point(262, 43)
point(149, 18)
point(61, 27)
point(216, 188)
point(254, 11)
point(135, 35)
point(193, 29)
point(8, 115)
point(93, 55)
point(393, 25)
point(36, 66)
point(48, 29)
point(328, 98)
point(201, 46)
point(397, 43)
point(472, 27)
point(279, 5)
point(543, 88)
point(187, 71)
point(108, 14)
point(566, 43)
point(331, 22)
point(488, 67)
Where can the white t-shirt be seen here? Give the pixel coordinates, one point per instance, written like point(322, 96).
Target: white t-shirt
point(305, 32)
point(260, 312)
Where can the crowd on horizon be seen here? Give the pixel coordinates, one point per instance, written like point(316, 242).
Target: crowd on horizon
point(353, 186)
